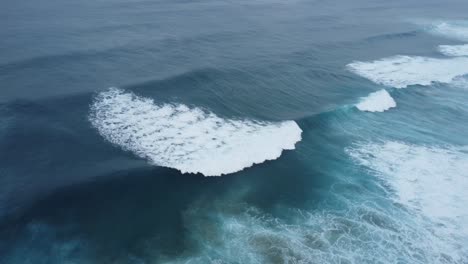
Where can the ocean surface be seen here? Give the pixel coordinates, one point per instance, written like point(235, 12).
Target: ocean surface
point(260, 131)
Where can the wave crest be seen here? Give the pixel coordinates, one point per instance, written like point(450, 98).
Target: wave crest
point(454, 50)
point(379, 101)
point(402, 71)
point(188, 139)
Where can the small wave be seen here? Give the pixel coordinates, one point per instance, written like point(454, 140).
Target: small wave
point(379, 101)
point(402, 71)
point(454, 50)
point(457, 30)
point(429, 180)
point(188, 139)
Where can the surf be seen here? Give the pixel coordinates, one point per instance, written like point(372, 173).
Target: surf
point(428, 180)
point(402, 71)
point(189, 139)
point(379, 101)
point(454, 50)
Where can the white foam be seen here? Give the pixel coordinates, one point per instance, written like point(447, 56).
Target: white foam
point(364, 233)
point(454, 50)
point(379, 101)
point(402, 71)
point(431, 181)
point(188, 139)
point(457, 30)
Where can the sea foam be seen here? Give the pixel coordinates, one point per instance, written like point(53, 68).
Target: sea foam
point(226, 232)
point(188, 139)
point(456, 30)
point(431, 181)
point(454, 50)
point(379, 101)
point(402, 71)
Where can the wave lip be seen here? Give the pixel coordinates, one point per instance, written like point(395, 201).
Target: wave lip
point(379, 101)
point(402, 71)
point(454, 50)
point(188, 139)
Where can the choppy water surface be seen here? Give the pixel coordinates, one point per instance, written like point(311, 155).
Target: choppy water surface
point(333, 132)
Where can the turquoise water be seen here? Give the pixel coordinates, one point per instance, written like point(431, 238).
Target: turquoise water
point(233, 132)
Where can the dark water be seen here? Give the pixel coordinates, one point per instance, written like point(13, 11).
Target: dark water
point(79, 175)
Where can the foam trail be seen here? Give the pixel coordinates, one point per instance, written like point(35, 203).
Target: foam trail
point(229, 233)
point(188, 139)
point(429, 180)
point(402, 71)
point(454, 50)
point(379, 101)
point(456, 30)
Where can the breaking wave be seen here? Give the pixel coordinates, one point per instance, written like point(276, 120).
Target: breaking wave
point(379, 101)
point(402, 71)
point(188, 139)
point(430, 181)
point(457, 30)
point(454, 50)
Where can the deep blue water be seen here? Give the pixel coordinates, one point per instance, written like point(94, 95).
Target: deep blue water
point(266, 93)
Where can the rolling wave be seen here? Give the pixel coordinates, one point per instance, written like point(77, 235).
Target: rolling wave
point(402, 71)
point(188, 139)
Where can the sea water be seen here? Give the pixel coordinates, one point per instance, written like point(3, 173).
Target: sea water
point(233, 131)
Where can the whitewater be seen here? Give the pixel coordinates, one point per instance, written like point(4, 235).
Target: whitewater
point(379, 101)
point(188, 139)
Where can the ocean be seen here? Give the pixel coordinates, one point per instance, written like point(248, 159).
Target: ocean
point(302, 131)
